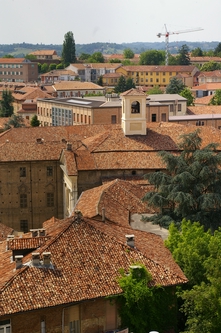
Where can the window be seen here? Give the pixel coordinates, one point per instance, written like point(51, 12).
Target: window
point(154, 117)
point(157, 80)
point(50, 199)
point(179, 107)
point(23, 227)
point(23, 200)
point(113, 119)
point(5, 326)
point(135, 107)
point(22, 172)
point(151, 80)
point(171, 108)
point(49, 171)
point(164, 80)
point(74, 326)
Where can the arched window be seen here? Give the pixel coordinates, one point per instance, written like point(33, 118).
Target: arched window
point(135, 107)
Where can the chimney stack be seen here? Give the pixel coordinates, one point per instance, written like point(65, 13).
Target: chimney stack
point(69, 146)
point(130, 240)
point(18, 261)
point(35, 258)
point(46, 258)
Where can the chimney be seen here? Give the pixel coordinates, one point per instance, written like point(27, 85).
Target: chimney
point(35, 258)
point(69, 146)
point(130, 240)
point(46, 258)
point(34, 232)
point(78, 216)
point(103, 214)
point(41, 232)
point(18, 261)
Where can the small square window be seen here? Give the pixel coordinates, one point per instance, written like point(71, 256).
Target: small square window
point(49, 171)
point(22, 172)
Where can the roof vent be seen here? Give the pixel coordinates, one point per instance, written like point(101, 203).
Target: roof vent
point(18, 261)
point(130, 240)
point(39, 140)
point(35, 258)
point(46, 258)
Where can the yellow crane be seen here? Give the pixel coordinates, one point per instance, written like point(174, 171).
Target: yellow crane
point(168, 33)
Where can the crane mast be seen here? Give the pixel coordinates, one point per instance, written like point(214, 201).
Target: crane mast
point(168, 33)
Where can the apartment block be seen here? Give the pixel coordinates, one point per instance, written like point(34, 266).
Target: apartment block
point(18, 70)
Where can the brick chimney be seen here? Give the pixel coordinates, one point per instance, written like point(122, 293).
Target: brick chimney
point(130, 240)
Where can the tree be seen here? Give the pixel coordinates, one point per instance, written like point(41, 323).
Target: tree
point(8, 56)
point(100, 81)
point(210, 66)
point(183, 55)
point(198, 254)
point(191, 186)
point(115, 61)
point(121, 85)
point(216, 99)
point(175, 86)
point(30, 57)
point(152, 57)
point(60, 66)
point(6, 104)
point(68, 50)
point(142, 307)
point(34, 121)
point(44, 68)
point(128, 53)
point(84, 56)
point(14, 121)
point(155, 90)
point(96, 57)
point(186, 93)
point(217, 51)
point(129, 83)
point(52, 67)
point(197, 52)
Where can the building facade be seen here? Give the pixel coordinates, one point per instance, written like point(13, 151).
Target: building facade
point(18, 70)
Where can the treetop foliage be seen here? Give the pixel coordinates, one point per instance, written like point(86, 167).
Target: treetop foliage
point(190, 187)
point(68, 50)
point(198, 254)
point(6, 104)
point(175, 86)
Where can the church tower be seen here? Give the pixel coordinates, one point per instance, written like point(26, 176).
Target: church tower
point(133, 112)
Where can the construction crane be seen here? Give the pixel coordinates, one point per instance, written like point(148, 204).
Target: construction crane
point(167, 34)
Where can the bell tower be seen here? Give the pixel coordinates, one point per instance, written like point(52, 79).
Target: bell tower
point(133, 112)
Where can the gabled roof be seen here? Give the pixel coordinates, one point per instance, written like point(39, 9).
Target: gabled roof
point(30, 93)
point(76, 85)
point(86, 256)
point(44, 52)
point(116, 200)
point(208, 86)
point(133, 92)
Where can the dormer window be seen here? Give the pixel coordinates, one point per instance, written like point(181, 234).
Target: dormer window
point(135, 107)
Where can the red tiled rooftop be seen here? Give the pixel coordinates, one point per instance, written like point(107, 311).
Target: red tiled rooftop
point(86, 257)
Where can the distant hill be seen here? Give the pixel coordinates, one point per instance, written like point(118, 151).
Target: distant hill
point(20, 50)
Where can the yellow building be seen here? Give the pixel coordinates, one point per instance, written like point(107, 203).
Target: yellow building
point(159, 75)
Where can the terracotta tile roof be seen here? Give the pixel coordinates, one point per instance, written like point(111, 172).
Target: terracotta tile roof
point(11, 60)
point(118, 199)
point(205, 109)
point(216, 73)
point(58, 72)
point(44, 52)
point(86, 257)
point(76, 85)
point(30, 93)
point(133, 92)
point(96, 65)
point(98, 147)
point(112, 75)
point(203, 100)
point(205, 59)
point(5, 231)
point(208, 86)
point(146, 68)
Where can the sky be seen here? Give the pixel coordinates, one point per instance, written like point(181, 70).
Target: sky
point(111, 21)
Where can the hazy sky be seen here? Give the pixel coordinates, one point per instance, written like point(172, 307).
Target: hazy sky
point(115, 21)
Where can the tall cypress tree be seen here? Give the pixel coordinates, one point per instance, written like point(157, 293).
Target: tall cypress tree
point(68, 51)
point(191, 186)
point(6, 104)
